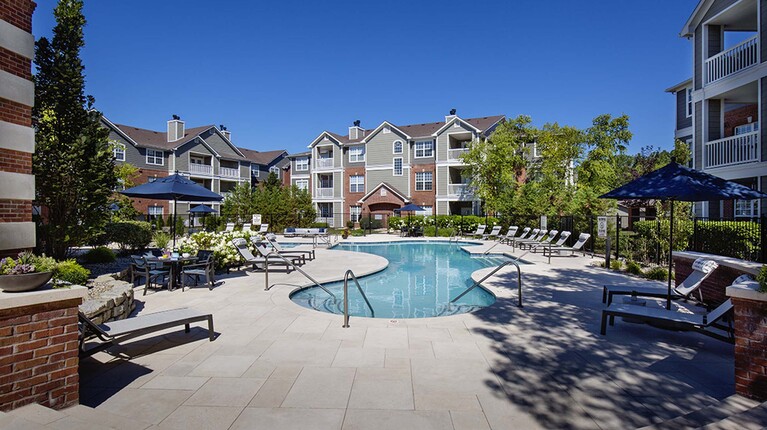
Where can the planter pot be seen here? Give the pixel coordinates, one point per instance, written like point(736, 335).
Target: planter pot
point(25, 282)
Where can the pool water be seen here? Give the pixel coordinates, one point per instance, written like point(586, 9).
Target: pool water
point(420, 281)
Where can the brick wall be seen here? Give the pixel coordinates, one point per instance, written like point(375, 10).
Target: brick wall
point(142, 205)
point(15, 113)
point(39, 355)
point(14, 63)
point(351, 198)
point(18, 13)
point(15, 211)
point(738, 117)
point(424, 198)
point(15, 161)
point(751, 348)
point(714, 286)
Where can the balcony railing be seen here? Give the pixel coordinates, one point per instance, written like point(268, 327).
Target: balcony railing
point(230, 172)
point(323, 163)
point(739, 57)
point(743, 148)
point(203, 169)
point(455, 154)
point(460, 190)
point(323, 192)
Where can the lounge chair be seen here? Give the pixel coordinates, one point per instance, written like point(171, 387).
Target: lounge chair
point(510, 239)
point(510, 233)
point(259, 263)
point(480, 231)
point(578, 246)
point(563, 236)
point(247, 226)
point(494, 233)
point(264, 228)
point(116, 332)
point(534, 239)
point(263, 251)
point(701, 269)
point(229, 226)
point(272, 239)
point(678, 320)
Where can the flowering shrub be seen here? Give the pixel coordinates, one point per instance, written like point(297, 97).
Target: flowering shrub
point(224, 253)
point(27, 263)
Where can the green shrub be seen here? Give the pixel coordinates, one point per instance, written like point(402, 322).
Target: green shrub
point(319, 225)
point(762, 278)
point(432, 231)
point(370, 223)
point(71, 272)
point(616, 265)
point(161, 239)
point(45, 264)
point(350, 224)
point(633, 267)
point(657, 274)
point(358, 232)
point(101, 254)
point(130, 235)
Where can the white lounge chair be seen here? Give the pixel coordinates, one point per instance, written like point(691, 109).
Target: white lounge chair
point(510, 233)
point(264, 228)
point(534, 239)
point(678, 320)
point(480, 231)
point(702, 268)
point(259, 263)
point(511, 240)
point(494, 233)
point(229, 226)
point(272, 239)
point(578, 246)
point(246, 227)
point(550, 240)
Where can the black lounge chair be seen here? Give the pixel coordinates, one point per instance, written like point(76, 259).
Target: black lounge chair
point(116, 332)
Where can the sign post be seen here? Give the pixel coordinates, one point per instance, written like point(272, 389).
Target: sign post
point(544, 222)
point(602, 232)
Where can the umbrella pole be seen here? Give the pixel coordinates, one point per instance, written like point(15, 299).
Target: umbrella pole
point(174, 224)
point(670, 253)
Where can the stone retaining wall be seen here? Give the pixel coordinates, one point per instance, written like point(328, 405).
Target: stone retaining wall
point(115, 303)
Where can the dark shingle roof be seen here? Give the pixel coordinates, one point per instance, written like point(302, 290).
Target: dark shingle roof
point(261, 157)
point(159, 139)
point(424, 130)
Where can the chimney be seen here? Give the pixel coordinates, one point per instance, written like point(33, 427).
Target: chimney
point(175, 129)
point(355, 131)
point(450, 117)
point(225, 132)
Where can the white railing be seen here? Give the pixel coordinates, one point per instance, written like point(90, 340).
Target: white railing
point(323, 192)
point(461, 190)
point(326, 219)
point(323, 163)
point(229, 172)
point(455, 154)
point(743, 148)
point(201, 168)
point(739, 57)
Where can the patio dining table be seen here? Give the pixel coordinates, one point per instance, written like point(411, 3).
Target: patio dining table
point(175, 263)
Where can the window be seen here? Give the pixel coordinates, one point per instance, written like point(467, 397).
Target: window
point(155, 157)
point(397, 147)
point(386, 130)
point(275, 170)
point(155, 210)
point(424, 149)
point(746, 128)
point(423, 181)
point(302, 184)
point(689, 102)
point(357, 184)
point(746, 208)
point(302, 164)
point(356, 154)
point(355, 212)
point(427, 210)
point(398, 166)
point(119, 151)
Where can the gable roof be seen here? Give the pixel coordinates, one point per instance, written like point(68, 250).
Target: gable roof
point(158, 139)
point(262, 157)
point(389, 187)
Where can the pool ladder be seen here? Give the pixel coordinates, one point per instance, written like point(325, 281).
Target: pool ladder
point(348, 274)
point(493, 272)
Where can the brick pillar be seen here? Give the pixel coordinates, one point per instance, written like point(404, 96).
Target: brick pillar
point(39, 348)
point(750, 340)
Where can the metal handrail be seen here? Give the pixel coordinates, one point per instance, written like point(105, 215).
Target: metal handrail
point(295, 267)
point(501, 266)
point(346, 297)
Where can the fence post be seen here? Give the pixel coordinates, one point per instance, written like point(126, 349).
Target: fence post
point(763, 245)
point(591, 234)
point(695, 234)
point(370, 221)
point(617, 236)
point(657, 241)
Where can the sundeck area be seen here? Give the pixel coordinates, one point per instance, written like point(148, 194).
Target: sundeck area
point(275, 364)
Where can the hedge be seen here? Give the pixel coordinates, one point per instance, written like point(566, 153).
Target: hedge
point(726, 238)
point(468, 223)
point(129, 235)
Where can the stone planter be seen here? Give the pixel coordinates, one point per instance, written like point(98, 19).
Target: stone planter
point(25, 282)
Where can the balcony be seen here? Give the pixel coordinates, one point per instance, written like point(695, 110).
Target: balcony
point(323, 192)
point(456, 153)
point(462, 191)
point(229, 172)
point(739, 57)
point(200, 169)
point(323, 163)
point(743, 148)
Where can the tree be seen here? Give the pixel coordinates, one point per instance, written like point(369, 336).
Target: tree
point(553, 175)
point(496, 165)
point(239, 204)
point(73, 164)
point(126, 174)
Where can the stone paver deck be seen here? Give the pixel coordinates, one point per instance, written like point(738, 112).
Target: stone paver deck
point(278, 365)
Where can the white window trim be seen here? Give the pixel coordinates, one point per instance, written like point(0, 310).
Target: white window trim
point(394, 167)
point(154, 152)
point(355, 213)
point(298, 169)
point(302, 181)
point(394, 146)
point(431, 148)
point(749, 128)
point(688, 105)
point(424, 182)
point(162, 210)
point(359, 159)
point(356, 184)
point(118, 146)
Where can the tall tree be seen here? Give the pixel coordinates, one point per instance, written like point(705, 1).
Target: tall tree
point(73, 164)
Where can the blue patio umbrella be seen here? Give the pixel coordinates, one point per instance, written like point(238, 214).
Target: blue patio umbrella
point(675, 182)
point(174, 187)
point(202, 209)
point(410, 207)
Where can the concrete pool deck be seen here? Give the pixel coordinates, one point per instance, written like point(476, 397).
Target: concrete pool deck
point(278, 365)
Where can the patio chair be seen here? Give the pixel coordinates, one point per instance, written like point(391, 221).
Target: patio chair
point(702, 268)
point(578, 246)
point(510, 239)
point(117, 332)
point(264, 228)
point(510, 233)
point(229, 226)
point(247, 226)
point(258, 262)
point(203, 269)
point(141, 267)
point(677, 320)
point(494, 233)
point(534, 239)
point(563, 236)
point(301, 255)
point(272, 239)
point(480, 231)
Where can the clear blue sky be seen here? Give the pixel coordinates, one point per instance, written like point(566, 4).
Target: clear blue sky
point(278, 73)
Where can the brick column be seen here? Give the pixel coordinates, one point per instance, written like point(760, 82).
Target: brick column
point(39, 348)
point(750, 340)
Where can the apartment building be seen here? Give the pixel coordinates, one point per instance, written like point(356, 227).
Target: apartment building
point(262, 163)
point(375, 171)
point(204, 154)
point(718, 110)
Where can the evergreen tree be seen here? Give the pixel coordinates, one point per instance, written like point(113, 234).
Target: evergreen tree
point(73, 164)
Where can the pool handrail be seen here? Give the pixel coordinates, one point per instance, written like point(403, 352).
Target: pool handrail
point(346, 297)
point(295, 267)
point(492, 272)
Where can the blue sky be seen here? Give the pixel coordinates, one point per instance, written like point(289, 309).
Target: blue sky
point(279, 73)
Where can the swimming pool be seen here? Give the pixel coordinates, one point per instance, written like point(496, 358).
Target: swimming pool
point(420, 281)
